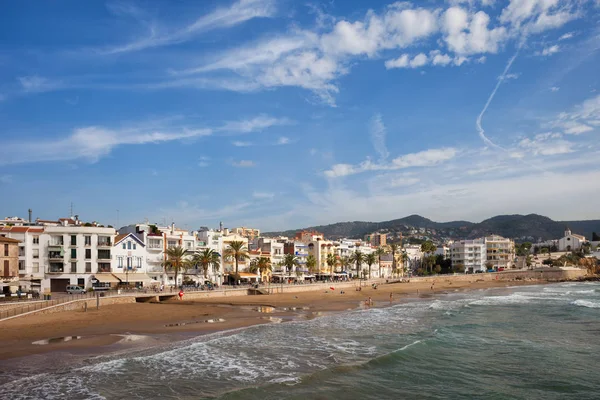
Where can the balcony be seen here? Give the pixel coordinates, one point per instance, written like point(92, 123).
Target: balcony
point(104, 243)
point(154, 248)
point(56, 255)
point(104, 268)
point(56, 269)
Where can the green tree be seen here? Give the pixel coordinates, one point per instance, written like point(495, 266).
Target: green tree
point(237, 251)
point(378, 253)
point(370, 259)
point(290, 261)
point(437, 269)
point(428, 248)
point(205, 259)
point(459, 268)
point(345, 263)
point(404, 258)
point(331, 262)
point(357, 258)
point(176, 260)
point(260, 265)
point(394, 248)
point(311, 264)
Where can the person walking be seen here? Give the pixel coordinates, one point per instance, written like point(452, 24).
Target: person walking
point(181, 294)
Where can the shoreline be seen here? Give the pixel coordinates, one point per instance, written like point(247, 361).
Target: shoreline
point(122, 327)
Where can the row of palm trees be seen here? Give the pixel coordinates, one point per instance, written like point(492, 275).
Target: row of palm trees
point(177, 260)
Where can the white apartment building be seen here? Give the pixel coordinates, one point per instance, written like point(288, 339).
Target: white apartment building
point(443, 251)
point(470, 253)
point(64, 253)
point(500, 251)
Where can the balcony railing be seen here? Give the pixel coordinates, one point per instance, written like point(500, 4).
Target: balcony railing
point(55, 255)
point(104, 243)
point(56, 269)
point(104, 269)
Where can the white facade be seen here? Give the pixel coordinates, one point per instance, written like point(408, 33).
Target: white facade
point(53, 257)
point(443, 251)
point(470, 253)
point(130, 259)
point(570, 241)
point(500, 251)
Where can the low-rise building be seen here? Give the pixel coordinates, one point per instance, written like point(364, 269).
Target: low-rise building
point(9, 261)
point(570, 241)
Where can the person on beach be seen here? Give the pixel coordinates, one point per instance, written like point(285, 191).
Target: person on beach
point(391, 297)
point(181, 294)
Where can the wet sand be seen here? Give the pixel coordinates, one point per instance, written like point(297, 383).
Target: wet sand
point(116, 327)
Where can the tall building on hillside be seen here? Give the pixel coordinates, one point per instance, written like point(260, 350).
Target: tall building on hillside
point(376, 239)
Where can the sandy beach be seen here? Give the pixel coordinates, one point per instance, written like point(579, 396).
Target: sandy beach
point(112, 327)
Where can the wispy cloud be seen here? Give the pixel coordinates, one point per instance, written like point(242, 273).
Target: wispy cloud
point(425, 158)
point(239, 143)
point(36, 84)
point(94, 142)
point(283, 140)
point(6, 179)
point(203, 161)
point(584, 117)
point(378, 132)
point(567, 36)
point(263, 195)
point(554, 89)
point(243, 163)
point(548, 51)
point(225, 17)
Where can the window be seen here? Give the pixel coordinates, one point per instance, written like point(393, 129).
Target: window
point(87, 240)
point(124, 246)
point(88, 254)
point(36, 268)
point(73, 267)
point(154, 243)
point(129, 245)
point(134, 246)
point(73, 254)
point(128, 262)
point(56, 241)
point(104, 254)
point(172, 243)
point(35, 253)
point(5, 250)
point(36, 240)
point(73, 240)
point(81, 282)
point(6, 268)
point(139, 262)
point(21, 265)
point(21, 251)
point(88, 267)
point(120, 262)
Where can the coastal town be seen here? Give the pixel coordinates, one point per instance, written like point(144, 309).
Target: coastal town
point(45, 256)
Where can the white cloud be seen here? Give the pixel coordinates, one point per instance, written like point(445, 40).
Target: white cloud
point(425, 158)
point(90, 143)
point(239, 143)
point(263, 195)
point(36, 84)
point(548, 51)
point(566, 36)
point(547, 144)
point(538, 15)
point(283, 140)
point(584, 117)
point(94, 142)
point(258, 123)
point(554, 89)
point(405, 62)
point(239, 12)
point(243, 163)
point(203, 161)
point(437, 58)
point(467, 34)
point(509, 76)
point(378, 132)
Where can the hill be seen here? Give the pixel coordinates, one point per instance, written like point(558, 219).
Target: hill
point(530, 227)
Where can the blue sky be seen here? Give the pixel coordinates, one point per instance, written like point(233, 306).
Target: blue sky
point(283, 114)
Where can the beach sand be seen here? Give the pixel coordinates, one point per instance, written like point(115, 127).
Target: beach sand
point(115, 327)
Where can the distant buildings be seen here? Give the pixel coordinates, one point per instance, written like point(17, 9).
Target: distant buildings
point(570, 241)
point(9, 259)
point(376, 239)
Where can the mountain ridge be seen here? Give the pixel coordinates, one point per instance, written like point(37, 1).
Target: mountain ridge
point(530, 227)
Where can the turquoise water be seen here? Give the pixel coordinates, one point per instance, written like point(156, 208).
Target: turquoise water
point(533, 342)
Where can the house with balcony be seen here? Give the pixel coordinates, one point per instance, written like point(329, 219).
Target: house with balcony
point(130, 260)
point(9, 262)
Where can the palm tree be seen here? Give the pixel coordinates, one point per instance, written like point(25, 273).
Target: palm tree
point(311, 263)
point(238, 251)
point(394, 247)
point(344, 263)
point(260, 265)
point(404, 259)
point(205, 259)
point(290, 261)
point(357, 258)
point(331, 262)
point(428, 248)
point(175, 260)
point(379, 252)
point(370, 259)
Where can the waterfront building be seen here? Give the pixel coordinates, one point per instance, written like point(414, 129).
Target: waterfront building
point(130, 255)
point(500, 252)
point(570, 241)
point(470, 253)
point(9, 261)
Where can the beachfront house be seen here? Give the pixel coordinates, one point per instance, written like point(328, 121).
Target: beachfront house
point(570, 241)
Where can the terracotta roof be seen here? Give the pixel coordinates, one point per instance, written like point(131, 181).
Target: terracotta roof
point(8, 240)
point(121, 237)
point(21, 229)
point(134, 236)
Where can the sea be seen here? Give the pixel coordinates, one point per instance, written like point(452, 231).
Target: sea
point(526, 342)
